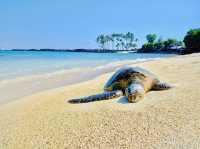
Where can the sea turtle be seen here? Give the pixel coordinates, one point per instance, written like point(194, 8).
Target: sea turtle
point(132, 82)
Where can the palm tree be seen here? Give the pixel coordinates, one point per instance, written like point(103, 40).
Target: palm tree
point(126, 38)
point(101, 41)
point(130, 41)
point(119, 40)
point(108, 40)
point(122, 44)
point(118, 46)
point(114, 42)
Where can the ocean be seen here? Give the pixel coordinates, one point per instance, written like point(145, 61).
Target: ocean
point(15, 64)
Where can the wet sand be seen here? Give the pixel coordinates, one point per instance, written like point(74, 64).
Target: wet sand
point(164, 119)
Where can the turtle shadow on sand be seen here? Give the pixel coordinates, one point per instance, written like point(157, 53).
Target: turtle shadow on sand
point(123, 100)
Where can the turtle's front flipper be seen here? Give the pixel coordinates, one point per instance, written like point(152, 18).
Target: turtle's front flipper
point(97, 97)
point(135, 92)
point(161, 86)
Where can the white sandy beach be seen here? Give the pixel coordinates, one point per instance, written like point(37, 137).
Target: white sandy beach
point(164, 119)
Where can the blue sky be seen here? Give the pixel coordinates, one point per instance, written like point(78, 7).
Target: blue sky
point(76, 23)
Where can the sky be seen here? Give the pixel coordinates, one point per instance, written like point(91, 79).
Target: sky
point(77, 23)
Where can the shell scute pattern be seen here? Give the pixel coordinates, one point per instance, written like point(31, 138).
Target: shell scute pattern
point(124, 76)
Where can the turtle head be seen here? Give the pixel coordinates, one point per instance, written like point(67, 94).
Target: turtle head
point(135, 93)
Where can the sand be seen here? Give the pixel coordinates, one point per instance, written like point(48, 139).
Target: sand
point(164, 119)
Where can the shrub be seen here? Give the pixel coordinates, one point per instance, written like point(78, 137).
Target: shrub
point(148, 47)
point(159, 45)
point(151, 38)
point(192, 40)
point(169, 43)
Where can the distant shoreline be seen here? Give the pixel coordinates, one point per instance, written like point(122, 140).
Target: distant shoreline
point(179, 51)
point(76, 50)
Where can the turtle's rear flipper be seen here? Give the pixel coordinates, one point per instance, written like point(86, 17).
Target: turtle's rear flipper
point(97, 97)
point(161, 86)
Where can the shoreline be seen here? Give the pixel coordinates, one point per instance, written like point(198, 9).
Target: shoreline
point(32, 84)
point(179, 51)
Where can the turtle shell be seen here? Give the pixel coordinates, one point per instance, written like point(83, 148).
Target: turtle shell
point(125, 73)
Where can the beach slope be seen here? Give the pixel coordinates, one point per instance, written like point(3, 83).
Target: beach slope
point(164, 119)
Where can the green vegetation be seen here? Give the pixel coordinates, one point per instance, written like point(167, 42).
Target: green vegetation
point(119, 41)
point(192, 40)
point(151, 38)
point(127, 41)
point(160, 45)
point(170, 43)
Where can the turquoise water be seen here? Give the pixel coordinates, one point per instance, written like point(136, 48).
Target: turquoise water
point(19, 63)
